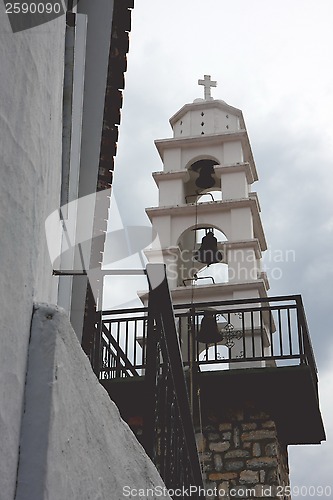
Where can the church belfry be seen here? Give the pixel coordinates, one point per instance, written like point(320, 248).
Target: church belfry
point(206, 185)
point(208, 219)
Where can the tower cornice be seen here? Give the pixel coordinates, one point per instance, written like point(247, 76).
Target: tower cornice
point(245, 167)
point(172, 175)
point(210, 140)
point(191, 209)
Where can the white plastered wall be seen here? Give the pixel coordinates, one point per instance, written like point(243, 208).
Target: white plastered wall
point(235, 223)
point(234, 185)
point(171, 192)
point(242, 264)
point(241, 224)
point(180, 157)
point(31, 65)
point(74, 444)
point(195, 153)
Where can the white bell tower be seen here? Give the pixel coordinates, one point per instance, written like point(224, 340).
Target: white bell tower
point(210, 234)
point(205, 185)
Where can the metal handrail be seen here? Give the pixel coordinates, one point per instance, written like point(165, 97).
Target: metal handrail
point(169, 437)
point(278, 332)
point(254, 300)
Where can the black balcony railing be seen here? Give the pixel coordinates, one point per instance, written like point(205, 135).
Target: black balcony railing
point(168, 433)
point(260, 332)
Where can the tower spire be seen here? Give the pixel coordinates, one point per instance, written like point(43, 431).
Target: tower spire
point(207, 83)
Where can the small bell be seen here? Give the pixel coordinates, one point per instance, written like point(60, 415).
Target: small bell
point(209, 332)
point(208, 253)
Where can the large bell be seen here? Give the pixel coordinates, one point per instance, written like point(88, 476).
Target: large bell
point(205, 179)
point(208, 253)
point(209, 332)
point(205, 168)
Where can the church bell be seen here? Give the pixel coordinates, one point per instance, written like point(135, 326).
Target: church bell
point(209, 332)
point(205, 168)
point(205, 179)
point(208, 253)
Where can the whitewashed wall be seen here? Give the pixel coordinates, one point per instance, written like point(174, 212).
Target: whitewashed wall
point(31, 76)
point(74, 445)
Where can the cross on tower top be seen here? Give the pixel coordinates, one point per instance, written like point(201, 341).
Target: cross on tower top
point(207, 83)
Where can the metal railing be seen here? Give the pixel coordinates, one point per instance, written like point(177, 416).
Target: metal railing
point(168, 433)
point(261, 332)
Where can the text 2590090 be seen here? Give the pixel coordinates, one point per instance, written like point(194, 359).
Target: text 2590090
point(33, 8)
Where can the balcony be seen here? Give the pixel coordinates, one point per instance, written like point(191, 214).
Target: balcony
point(264, 353)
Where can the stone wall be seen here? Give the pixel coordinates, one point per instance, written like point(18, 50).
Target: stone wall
point(242, 456)
point(240, 453)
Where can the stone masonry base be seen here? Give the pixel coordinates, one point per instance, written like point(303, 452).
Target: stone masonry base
point(241, 456)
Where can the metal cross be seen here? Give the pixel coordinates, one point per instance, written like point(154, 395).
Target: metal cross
point(207, 83)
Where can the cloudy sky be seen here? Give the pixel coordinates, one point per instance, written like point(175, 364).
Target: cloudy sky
point(272, 59)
